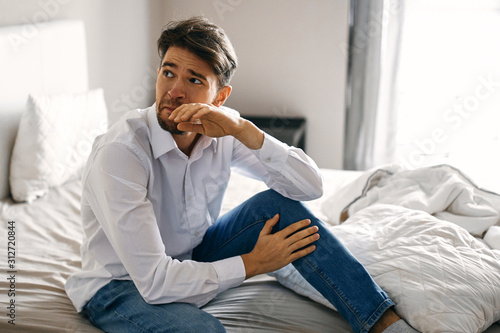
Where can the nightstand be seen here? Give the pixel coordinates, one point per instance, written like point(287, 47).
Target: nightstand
point(291, 131)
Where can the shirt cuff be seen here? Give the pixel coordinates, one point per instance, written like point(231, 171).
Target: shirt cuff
point(273, 152)
point(231, 272)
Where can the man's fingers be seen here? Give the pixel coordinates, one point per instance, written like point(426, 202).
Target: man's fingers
point(174, 113)
point(303, 242)
point(190, 127)
point(185, 112)
point(298, 235)
point(268, 227)
point(302, 253)
point(188, 112)
point(292, 228)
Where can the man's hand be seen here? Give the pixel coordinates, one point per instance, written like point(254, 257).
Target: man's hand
point(211, 121)
point(274, 251)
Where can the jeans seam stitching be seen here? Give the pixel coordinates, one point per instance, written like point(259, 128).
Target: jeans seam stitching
point(91, 318)
point(129, 321)
point(387, 301)
point(334, 288)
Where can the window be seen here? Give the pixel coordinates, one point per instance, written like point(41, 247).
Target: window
point(449, 87)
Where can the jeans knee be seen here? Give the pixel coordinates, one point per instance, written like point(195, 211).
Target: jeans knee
point(273, 198)
point(272, 202)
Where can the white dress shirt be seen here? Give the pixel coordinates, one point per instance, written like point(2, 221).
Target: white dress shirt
point(146, 205)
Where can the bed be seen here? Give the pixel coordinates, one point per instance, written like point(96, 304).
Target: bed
point(430, 237)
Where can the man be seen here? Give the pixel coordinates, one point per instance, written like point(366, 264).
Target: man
point(155, 249)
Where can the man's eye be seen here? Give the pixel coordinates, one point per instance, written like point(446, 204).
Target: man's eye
point(168, 73)
point(195, 81)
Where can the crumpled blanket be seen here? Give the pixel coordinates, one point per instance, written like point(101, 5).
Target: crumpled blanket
point(442, 191)
point(413, 230)
point(441, 278)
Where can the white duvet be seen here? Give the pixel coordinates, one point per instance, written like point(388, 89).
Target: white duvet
point(441, 278)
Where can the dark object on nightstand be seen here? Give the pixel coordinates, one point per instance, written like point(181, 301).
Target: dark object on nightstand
point(292, 131)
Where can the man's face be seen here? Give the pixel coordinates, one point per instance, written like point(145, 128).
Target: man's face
point(183, 78)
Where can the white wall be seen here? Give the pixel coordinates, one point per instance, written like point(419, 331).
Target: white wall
point(291, 55)
point(119, 43)
point(291, 62)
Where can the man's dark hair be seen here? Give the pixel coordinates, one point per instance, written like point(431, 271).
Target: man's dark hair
point(204, 39)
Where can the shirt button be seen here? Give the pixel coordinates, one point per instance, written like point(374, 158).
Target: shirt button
point(268, 159)
point(196, 234)
point(189, 198)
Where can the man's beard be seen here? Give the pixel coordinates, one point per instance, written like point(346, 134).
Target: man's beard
point(169, 125)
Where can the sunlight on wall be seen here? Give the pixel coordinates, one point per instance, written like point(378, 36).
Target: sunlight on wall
point(449, 88)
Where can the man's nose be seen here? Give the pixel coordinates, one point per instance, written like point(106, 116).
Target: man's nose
point(178, 90)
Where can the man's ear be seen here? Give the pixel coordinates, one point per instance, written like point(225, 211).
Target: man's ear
point(222, 95)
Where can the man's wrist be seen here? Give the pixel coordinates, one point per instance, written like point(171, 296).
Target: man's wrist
point(250, 269)
point(250, 135)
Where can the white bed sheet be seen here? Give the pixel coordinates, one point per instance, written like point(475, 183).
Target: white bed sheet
point(47, 250)
point(48, 237)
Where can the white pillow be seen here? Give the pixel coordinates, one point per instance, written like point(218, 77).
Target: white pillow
point(54, 140)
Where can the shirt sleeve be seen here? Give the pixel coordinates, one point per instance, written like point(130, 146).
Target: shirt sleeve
point(287, 170)
point(116, 189)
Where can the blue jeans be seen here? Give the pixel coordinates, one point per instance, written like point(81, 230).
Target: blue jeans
point(331, 269)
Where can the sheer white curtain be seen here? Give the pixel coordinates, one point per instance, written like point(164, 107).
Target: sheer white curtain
point(449, 88)
point(374, 42)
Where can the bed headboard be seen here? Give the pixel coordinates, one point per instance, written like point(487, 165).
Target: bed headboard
point(45, 58)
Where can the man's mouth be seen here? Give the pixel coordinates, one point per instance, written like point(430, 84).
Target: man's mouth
point(168, 108)
point(163, 112)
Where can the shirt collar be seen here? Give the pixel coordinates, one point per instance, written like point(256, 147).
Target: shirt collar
point(162, 141)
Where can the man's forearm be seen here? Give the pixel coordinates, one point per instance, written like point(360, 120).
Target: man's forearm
point(251, 136)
